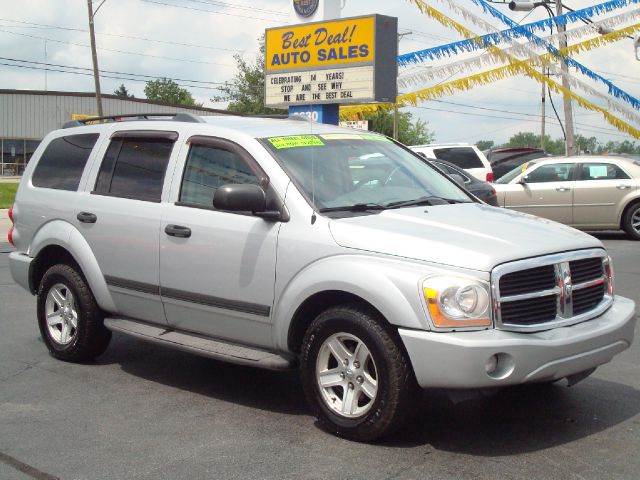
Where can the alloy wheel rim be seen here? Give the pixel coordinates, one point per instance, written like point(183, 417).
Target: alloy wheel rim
point(346, 375)
point(61, 313)
point(635, 221)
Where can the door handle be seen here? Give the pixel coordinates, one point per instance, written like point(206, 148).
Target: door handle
point(87, 217)
point(563, 189)
point(623, 187)
point(177, 231)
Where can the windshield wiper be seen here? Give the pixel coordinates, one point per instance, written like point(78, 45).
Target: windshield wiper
point(424, 201)
point(358, 207)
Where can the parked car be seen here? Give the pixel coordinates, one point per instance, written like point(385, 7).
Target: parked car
point(251, 241)
point(463, 155)
point(483, 190)
point(589, 193)
point(503, 160)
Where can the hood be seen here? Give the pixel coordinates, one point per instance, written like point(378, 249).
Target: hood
point(465, 235)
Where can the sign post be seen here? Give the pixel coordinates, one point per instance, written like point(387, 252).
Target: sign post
point(313, 68)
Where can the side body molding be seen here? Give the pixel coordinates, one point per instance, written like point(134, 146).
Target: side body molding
point(65, 235)
point(389, 285)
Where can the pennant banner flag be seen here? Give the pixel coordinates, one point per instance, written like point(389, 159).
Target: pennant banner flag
point(481, 79)
point(613, 90)
point(484, 41)
point(424, 75)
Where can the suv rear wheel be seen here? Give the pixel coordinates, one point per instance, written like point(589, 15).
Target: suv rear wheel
point(355, 375)
point(70, 321)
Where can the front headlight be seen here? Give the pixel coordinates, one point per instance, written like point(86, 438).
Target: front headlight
point(456, 302)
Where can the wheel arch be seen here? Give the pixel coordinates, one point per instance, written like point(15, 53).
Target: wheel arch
point(316, 304)
point(60, 242)
point(375, 284)
point(630, 204)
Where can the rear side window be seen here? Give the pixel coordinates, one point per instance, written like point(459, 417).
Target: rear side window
point(602, 171)
point(63, 162)
point(464, 157)
point(134, 168)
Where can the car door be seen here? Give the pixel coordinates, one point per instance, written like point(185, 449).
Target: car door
point(546, 191)
point(217, 268)
point(120, 219)
point(599, 189)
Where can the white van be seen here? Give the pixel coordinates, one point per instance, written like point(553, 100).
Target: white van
point(464, 155)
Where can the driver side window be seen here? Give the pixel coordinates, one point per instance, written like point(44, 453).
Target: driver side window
point(209, 168)
point(558, 172)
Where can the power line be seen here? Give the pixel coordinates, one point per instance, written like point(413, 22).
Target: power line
point(109, 71)
point(30, 67)
point(126, 52)
point(249, 8)
point(593, 128)
point(270, 20)
point(131, 37)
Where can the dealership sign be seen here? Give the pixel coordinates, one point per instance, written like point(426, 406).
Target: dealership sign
point(350, 60)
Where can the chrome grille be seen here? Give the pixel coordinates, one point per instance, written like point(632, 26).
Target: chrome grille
point(551, 291)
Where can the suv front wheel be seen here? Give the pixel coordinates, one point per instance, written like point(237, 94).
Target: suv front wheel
point(70, 321)
point(355, 375)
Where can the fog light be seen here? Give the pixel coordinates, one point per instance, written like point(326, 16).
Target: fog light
point(491, 364)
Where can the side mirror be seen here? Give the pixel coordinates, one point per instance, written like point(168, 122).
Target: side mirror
point(456, 178)
point(523, 179)
point(240, 198)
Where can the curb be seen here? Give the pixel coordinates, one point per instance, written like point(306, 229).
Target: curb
point(6, 248)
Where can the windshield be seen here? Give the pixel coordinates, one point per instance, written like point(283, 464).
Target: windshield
point(507, 177)
point(360, 171)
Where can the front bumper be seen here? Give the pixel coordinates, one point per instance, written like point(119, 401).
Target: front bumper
point(458, 359)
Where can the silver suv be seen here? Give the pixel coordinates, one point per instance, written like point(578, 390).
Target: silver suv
point(283, 244)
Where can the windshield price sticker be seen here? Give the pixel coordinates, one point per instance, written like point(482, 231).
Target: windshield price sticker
point(296, 141)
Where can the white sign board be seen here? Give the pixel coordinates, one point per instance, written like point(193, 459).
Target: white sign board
point(357, 124)
point(337, 85)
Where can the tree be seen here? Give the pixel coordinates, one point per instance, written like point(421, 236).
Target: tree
point(586, 145)
point(484, 144)
point(167, 91)
point(246, 90)
point(122, 91)
point(530, 139)
point(409, 133)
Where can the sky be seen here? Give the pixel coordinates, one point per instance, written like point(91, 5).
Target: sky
point(194, 41)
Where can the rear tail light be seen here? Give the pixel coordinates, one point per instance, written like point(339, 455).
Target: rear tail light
point(490, 177)
point(10, 234)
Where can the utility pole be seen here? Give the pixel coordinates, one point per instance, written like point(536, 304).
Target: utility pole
point(568, 111)
point(395, 105)
point(543, 111)
point(94, 54)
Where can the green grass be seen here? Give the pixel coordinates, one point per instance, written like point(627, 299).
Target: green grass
point(7, 194)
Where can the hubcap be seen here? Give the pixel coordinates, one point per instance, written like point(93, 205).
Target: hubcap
point(62, 314)
point(346, 375)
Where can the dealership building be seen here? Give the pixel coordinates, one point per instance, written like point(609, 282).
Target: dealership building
point(26, 116)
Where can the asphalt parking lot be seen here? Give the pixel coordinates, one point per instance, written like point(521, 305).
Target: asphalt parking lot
point(144, 412)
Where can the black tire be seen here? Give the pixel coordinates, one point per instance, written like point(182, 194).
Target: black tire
point(396, 385)
point(628, 221)
point(90, 337)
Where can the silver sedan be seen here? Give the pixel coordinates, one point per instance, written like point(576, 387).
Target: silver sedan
point(589, 193)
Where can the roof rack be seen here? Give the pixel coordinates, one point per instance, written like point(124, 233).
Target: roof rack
point(176, 117)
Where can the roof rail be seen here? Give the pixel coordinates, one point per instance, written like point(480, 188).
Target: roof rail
point(176, 117)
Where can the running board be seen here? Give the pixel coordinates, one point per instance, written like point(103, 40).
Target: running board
point(190, 342)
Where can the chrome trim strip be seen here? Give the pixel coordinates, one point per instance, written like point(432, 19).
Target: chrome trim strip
point(527, 296)
point(590, 283)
